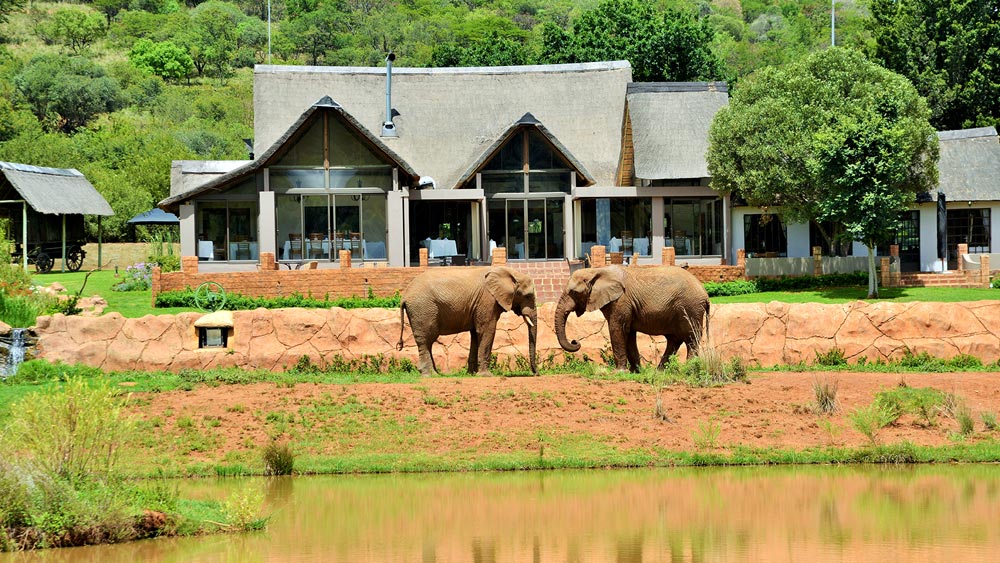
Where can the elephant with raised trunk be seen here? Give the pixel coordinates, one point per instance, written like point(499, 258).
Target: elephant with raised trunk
point(665, 300)
point(452, 300)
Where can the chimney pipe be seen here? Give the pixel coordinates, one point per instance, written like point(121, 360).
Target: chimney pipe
point(389, 128)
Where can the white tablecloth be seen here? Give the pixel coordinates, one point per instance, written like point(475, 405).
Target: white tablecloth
point(206, 249)
point(234, 247)
point(641, 245)
point(519, 251)
point(437, 248)
point(374, 250)
point(615, 244)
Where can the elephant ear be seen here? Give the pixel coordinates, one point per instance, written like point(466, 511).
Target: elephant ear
point(501, 284)
point(605, 287)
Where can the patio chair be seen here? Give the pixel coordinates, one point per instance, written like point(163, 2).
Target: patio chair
point(294, 246)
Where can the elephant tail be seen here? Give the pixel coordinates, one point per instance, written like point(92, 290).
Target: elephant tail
point(402, 324)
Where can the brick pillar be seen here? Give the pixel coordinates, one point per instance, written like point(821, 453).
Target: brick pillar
point(963, 249)
point(669, 256)
point(499, 256)
point(984, 270)
point(423, 257)
point(189, 264)
point(894, 250)
point(617, 258)
point(598, 256)
point(345, 258)
point(741, 259)
point(885, 274)
point(267, 261)
point(817, 260)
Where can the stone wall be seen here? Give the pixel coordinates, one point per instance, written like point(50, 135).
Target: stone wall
point(765, 334)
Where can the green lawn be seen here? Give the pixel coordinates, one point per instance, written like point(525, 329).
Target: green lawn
point(134, 304)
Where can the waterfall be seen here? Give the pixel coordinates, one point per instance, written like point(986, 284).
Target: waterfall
point(15, 352)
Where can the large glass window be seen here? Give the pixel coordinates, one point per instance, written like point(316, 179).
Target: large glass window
point(318, 226)
point(621, 225)
point(693, 226)
point(529, 228)
point(227, 230)
point(832, 230)
point(765, 235)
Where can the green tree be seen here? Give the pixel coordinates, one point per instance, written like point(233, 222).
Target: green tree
point(670, 45)
point(67, 92)
point(318, 33)
point(949, 49)
point(76, 28)
point(212, 38)
point(164, 59)
point(8, 7)
point(832, 137)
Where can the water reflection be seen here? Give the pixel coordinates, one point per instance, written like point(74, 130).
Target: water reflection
point(922, 513)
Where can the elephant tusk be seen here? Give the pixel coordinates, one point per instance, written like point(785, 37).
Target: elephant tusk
point(528, 320)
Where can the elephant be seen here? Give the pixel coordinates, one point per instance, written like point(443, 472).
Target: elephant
point(663, 300)
point(452, 300)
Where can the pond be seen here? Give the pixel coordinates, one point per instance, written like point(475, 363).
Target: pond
point(910, 513)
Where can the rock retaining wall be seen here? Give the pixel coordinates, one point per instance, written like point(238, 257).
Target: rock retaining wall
point(765, 334)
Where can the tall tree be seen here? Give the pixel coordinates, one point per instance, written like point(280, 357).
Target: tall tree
point(832, 137)
point(67, 92)
point(8, 7)
point(949, 49)
point(669, 45)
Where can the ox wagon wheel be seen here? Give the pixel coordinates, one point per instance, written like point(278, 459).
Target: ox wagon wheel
point(74, 260)
point(210, 296)
point(43, 263)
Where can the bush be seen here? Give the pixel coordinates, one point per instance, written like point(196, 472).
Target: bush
point(870, 420)
point(278, 459)
point(78, 433)
point(33, 372)
point(832, 357)
point(138, 277)
point(237, 302)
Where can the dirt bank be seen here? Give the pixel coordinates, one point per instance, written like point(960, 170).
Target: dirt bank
point(470, 417)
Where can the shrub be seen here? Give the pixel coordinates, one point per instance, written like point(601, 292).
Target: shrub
point(243, 510)
point(923, 402)
point(78, 433)
point(138, 277)
point(871, 419)
point(237, 302)
point(832, 357)
point(989, 420)
point(41, 371)
point(826, 396)
point(278, 459)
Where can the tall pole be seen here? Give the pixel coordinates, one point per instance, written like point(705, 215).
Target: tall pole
point(268, 31)
point(833, 23)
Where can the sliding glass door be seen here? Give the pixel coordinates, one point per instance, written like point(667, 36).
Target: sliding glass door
point(530, 229)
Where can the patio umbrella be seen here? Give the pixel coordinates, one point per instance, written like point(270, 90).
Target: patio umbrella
point(155, 216)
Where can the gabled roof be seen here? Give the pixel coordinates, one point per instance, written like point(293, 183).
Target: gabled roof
point(275, 150)
point(969, 165)
point(527, 121)
point(55, 191)
point(670, 122)
point(448, 117)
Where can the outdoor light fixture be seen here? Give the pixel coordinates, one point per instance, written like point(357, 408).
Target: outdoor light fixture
point(213, 337)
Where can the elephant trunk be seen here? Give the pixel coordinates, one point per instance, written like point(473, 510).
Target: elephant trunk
point(531, 317)
point(563, 310)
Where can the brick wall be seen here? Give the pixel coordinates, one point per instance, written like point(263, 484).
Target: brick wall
point(550, 279)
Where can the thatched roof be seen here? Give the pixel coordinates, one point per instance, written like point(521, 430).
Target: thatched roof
point(55, 191)
point(670, 122)
point(273, 152)
point(449, 117)
point(528, 120)
point(969, 167)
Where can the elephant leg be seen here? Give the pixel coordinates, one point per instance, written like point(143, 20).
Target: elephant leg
point(473, 365)
point(672, 346)
point(425, 353)
point(486, 348)
point(632, 351)
point(619, 346)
